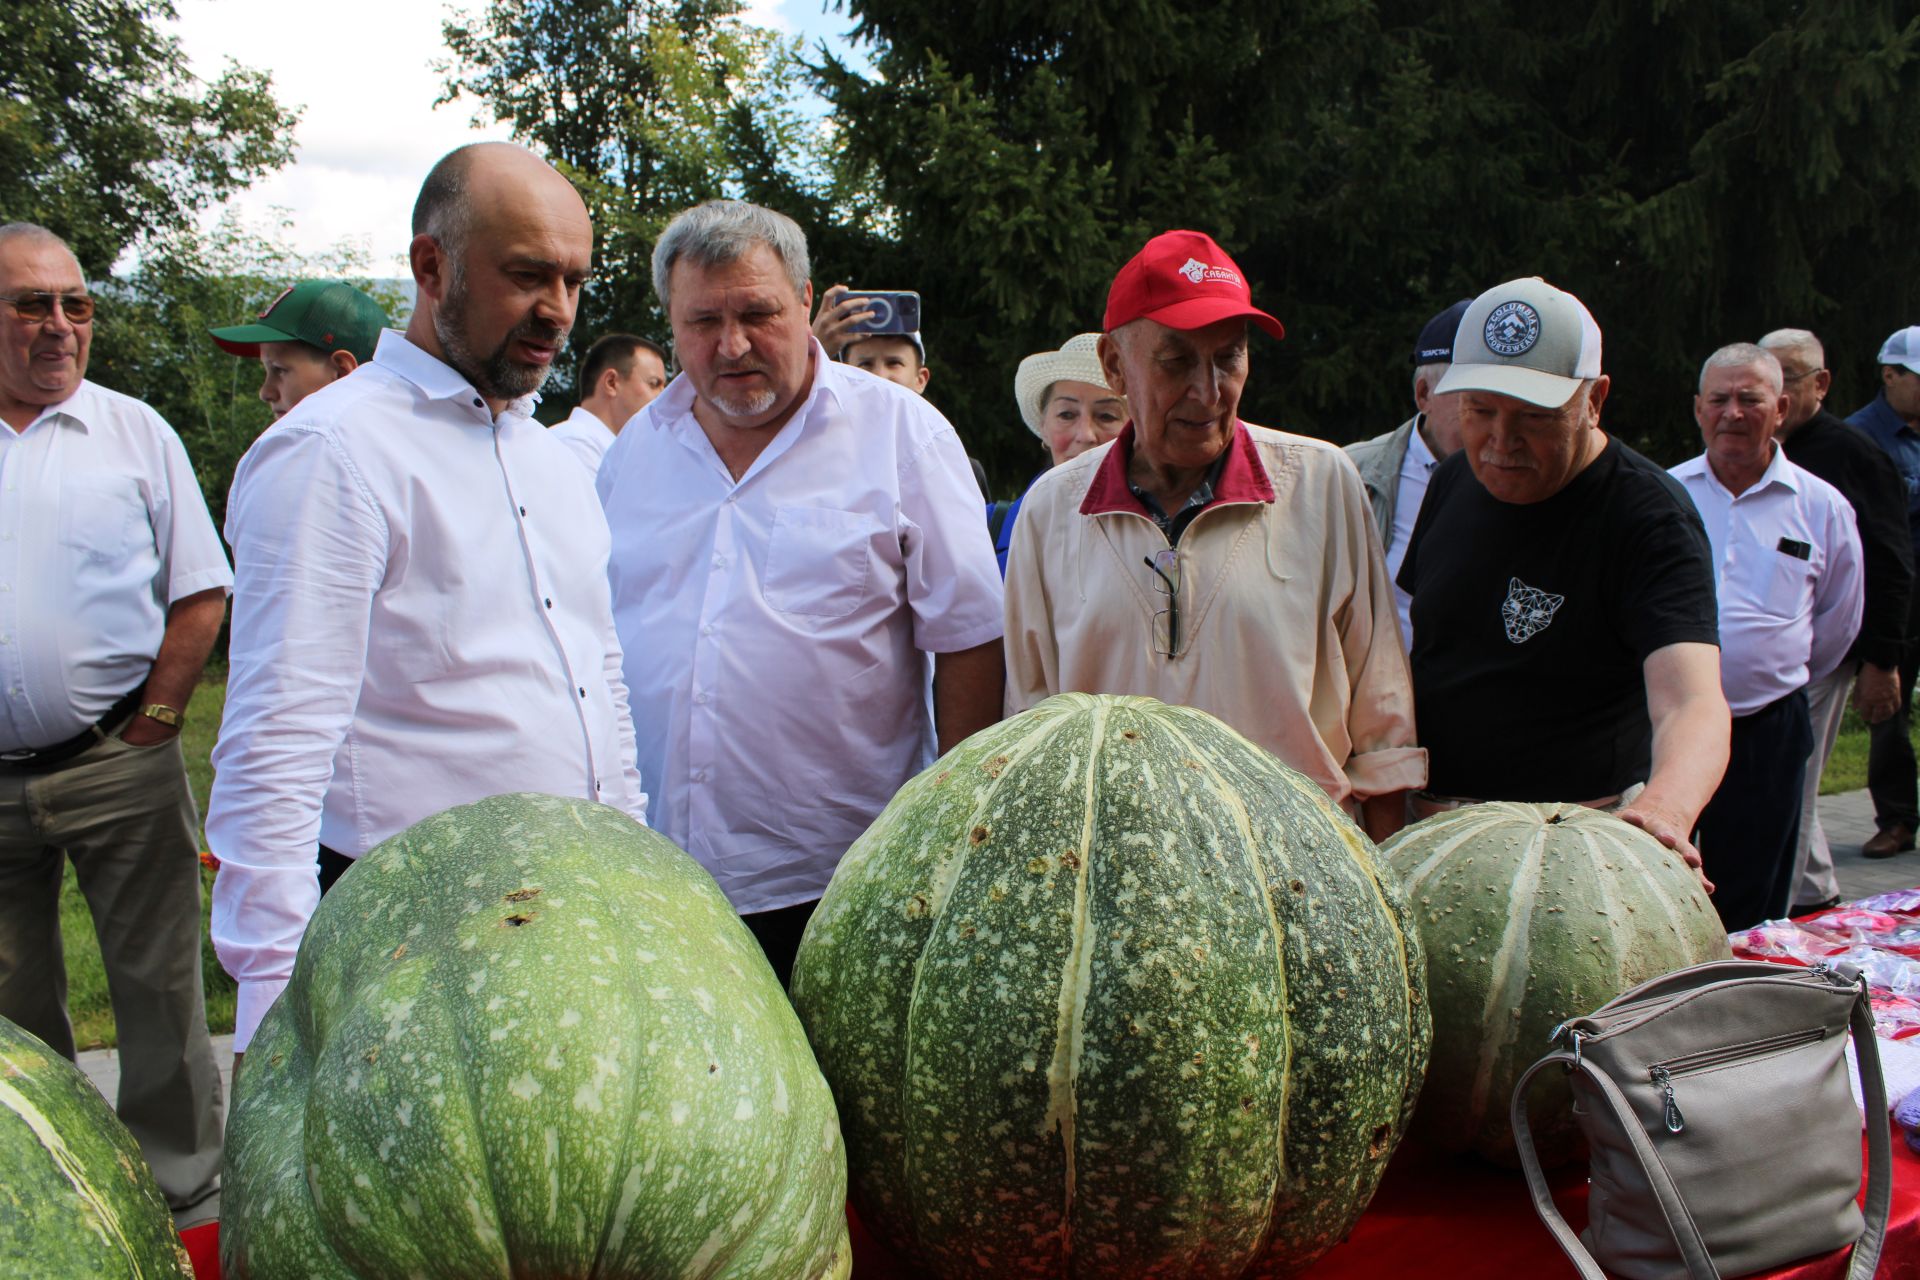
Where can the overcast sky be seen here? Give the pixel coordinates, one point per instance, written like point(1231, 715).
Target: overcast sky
point(362, 71)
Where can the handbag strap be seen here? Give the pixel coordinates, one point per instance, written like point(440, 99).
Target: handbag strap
point(1693, 1250)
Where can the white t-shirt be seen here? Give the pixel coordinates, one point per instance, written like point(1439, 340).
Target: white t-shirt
point(774, 627)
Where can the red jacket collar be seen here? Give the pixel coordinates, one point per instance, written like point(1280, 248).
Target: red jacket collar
point(1242, 479)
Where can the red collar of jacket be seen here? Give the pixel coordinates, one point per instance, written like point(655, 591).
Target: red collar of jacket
point(1242, 479)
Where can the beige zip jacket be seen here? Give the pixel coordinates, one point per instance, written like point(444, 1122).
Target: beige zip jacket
point(1286, 625)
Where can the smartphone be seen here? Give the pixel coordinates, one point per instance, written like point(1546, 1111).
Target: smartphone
point(894, 310)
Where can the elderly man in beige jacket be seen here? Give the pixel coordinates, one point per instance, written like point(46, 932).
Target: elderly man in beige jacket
point(1204, 561)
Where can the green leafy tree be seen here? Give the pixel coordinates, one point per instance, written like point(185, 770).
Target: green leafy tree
point(106, 137)
point(150, 333)
point(648, 107)
point(1698, 173)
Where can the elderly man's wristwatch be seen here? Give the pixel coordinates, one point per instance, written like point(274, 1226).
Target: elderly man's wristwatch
point(171, 716)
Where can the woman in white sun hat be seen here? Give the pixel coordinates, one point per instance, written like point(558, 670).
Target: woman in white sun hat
point(1065, 401)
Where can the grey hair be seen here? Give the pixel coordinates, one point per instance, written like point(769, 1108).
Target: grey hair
point(1738, 355)
point(718, 232)
point(1432, 372)
point(1800, 342)
point(11, 231)
point(442, 209)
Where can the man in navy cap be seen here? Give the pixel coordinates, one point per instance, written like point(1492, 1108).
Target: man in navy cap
point(315, 332)
point(1394, 467)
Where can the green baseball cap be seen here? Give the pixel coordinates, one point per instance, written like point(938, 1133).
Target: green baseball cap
point(328, 314)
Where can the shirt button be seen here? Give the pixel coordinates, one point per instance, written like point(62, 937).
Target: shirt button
point(705, 631)
point(549, 602)
point(478, 403)
point(596, 786)
point(700, 776)
point(731, 499)
point(583, 692)
point(719, 562)
point(700, 698)
point(523, 511)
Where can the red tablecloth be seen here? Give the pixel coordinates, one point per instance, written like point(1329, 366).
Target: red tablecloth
point(1460, 1219)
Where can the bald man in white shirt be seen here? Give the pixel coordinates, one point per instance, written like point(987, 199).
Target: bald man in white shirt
point(1787, 572)
point(112, 587)
point(421, 616)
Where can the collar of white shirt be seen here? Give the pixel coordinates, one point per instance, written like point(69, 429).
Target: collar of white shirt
point(588, 418)
point(80, 408)
point(1779, 471)
point(436, 378)
point(1418, 455)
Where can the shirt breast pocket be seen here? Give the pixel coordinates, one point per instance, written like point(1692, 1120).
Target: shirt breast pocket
point(100, 516)
point(1789, 589)
point(818, 561)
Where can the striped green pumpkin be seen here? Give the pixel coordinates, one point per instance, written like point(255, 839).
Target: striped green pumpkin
point(1109, 991)
point(529, 1037)
point(1531, 914)
point(76, 1199)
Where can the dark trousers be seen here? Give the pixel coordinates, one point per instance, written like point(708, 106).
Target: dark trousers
point(1890, 766)
point(1748, 830)
point(332, 867)
point(778, 933)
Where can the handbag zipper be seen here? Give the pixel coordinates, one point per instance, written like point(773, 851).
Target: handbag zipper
point(1663, 1073)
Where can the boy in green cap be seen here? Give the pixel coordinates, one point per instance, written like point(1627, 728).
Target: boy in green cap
point(314, 332)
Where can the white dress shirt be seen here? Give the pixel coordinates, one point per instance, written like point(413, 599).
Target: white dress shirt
point(1416, 468)
point(775, 627)
point(421, 619)
point(1785, 620)
point(102, 527)
point(585, 434)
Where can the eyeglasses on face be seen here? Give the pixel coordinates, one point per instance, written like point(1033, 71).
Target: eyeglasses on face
point(1166, 571)
point(1801, 376)
point(37, 307)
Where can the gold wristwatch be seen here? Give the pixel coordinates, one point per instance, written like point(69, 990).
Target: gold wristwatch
point(165, 714)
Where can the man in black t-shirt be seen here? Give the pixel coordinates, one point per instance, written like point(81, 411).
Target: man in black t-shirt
point(1565, 643)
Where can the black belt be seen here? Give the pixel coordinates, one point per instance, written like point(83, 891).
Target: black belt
point(32, 759)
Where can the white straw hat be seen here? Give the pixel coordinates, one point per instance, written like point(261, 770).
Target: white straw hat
point(1077, 360)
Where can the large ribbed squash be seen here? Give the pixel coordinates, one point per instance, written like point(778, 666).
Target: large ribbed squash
point(1109, 991)
point(529, 1037)
point(76, 1199)
point(1531, 914)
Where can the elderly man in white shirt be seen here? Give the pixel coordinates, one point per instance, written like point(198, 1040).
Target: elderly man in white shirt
point(113, 583)
point(790, 537)
point(619, 376)
point(1787, 569)
point(421, 616)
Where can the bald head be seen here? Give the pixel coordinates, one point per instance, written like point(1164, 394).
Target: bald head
point(502, 243)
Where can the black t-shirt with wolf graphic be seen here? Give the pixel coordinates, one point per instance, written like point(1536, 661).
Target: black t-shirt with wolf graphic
point(1531, 622)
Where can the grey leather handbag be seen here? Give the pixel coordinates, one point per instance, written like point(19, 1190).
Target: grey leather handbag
point(1724, 1135)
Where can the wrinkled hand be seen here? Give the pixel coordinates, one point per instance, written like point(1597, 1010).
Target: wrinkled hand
point(1876, 692)
point(1669, 828)
point(142, 731)
point(839, 312)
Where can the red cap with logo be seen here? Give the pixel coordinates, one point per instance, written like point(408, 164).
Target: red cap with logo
point(1183, 280)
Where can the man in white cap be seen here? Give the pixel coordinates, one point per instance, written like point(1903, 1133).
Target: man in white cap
point(1787, 573)
point(1205, 561)
point(1892, 421)
point(1395, 467)
point(1565, 645)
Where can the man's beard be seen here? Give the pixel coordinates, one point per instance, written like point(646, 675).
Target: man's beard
point(751, 405)
point(496, 375)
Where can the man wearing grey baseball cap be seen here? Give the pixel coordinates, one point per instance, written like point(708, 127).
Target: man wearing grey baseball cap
point(1565, 643)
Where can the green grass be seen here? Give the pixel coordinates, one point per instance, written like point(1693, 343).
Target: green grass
point(1847, 766)
point(87, 1000)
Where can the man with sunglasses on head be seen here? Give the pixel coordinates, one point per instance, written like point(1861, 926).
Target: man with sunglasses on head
point(113, 584)
point(1205, 561)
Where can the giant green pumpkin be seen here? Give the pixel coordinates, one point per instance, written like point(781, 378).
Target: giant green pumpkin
point(76, 1199)
point(1532, 914)
point(1109, 991)
point(529, 1037)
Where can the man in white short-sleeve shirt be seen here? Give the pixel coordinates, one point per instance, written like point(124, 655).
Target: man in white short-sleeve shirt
point(619, 376)
point(113, 583)
point(421, 616)
point(790, 537)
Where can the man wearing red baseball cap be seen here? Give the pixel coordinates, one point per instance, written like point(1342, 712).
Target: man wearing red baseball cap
point(1205, 561)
